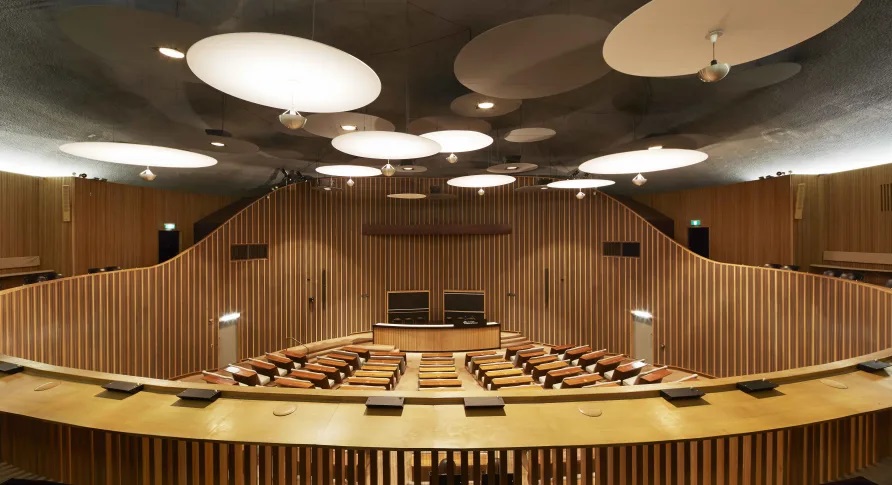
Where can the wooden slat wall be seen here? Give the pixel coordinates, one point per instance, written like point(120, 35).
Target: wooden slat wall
point(749, 223)
point(714, 318)
point(117, 225)
point(807, 455)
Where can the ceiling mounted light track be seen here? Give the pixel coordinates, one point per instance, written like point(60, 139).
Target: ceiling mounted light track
point(715, 71)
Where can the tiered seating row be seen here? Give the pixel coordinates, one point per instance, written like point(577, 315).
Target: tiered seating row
point(437, 371)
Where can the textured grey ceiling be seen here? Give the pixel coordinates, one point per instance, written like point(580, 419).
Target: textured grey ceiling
point(837, 110)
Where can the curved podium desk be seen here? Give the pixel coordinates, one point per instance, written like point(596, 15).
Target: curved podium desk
point(438, 338)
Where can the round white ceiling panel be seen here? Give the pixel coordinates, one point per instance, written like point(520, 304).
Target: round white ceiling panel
point(385, 145)
point(407, 196)
point(441, 123)
point(758, 77)
point(668, 37)
point(128, 36)
point(510, 168)
point(348, 171)
point(456, 141)
point(529, 135)
point(284, 72)
point(480, 181)
point(534, 57)
point(330, 125)
point(142, 155)
point(580, 184)
point(641, 161)
point(476, 105)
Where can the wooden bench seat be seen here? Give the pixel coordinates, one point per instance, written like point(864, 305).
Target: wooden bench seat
point(478, 353)
point(560, 349)
point(556, 376)
point(580, 381)
point(589, 360)
point(543, 359)
point(482, 368)
point(576, 352)
point(392, 368)
point(387, 353)
point(428, 383)
point(626, 370)
point(437, 360)
point(439, 368)
point(318, 379)
point(522, 357)
point(351, 358)
point(484, 359)
point(436, 354)
point(280, 361)
point(264, 368)
point(608, 363)
point(247, 377)
point(514, 349)
point(438, 375)
point(379, 382)
point(375, 373)
point(603, 383)
point(298, 356)
point(338, 364)
point(348, 387)
point(363, 352)
point(655, 376)
point(495, 374)
point(293, 383)
point(540, 370)
point(380, 359)
point(212, 378)
point(502, 382)
point(329, 372)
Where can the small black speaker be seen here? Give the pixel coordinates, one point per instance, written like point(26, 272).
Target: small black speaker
point(8, 368)
point(121, 386)
point(679, 394)
point(750, 387)
point(873, 365)
point(199, 395)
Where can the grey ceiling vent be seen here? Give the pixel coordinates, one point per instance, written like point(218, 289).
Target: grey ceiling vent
point(886, 198)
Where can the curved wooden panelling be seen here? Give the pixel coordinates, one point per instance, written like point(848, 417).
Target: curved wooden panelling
point(419, 339)
point(807, 455)
point(715, 318)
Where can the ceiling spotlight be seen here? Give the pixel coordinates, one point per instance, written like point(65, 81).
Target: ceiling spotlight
point(511, 167)
point(655, 147)
point(292, 120)
point(715, 71)
point(580, 195)
point(388, 170)
point(350, 182)
point(452, 158)
point(348, 127)
point(147, 175)
point(642, 314)
point(543, 188)
point(409, 168)
point(218, 144)
point(486, 105)
point(639, 180)
point(327, 189)
point(481, 192)
point(171, 52)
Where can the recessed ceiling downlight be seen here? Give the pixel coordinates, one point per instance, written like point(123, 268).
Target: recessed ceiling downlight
point(480, 181)
point(284, 72)
point(385, 145)
point(580, 184)
point(642, 161)
point(171, 52)
point(133, 154)
point(452, 141)
point(349, 171)
point(486, 105)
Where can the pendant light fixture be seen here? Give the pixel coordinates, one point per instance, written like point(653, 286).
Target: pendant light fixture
point(580, 195)
point(388, 170)
point(715, 71)
point(639, 180)
point(147, 175)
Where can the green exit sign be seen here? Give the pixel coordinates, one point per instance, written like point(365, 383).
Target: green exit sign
point(695, 222)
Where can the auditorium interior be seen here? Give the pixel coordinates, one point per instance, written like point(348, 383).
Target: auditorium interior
point(446, 242)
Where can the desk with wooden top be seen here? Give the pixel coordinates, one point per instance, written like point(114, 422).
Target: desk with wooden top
point(438, 338)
